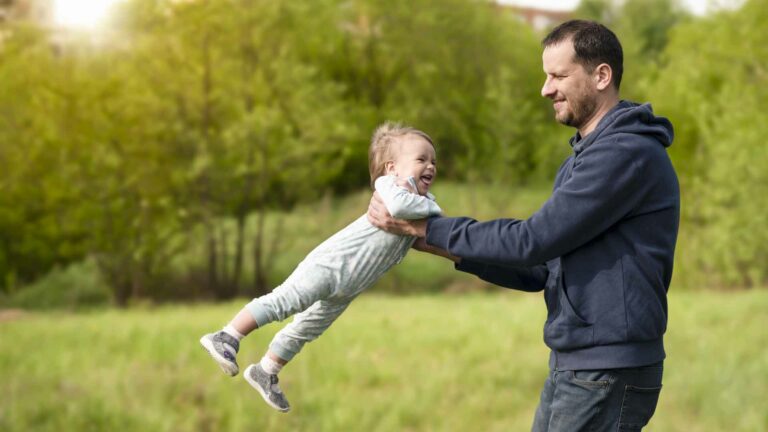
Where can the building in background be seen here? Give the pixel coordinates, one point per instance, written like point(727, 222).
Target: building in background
point(540, 19)
point(38, 11)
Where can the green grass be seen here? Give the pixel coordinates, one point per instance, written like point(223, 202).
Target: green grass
point(445, 363)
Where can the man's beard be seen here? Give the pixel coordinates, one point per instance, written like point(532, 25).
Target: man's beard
point(580, 111)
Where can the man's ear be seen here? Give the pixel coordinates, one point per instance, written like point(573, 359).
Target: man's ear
point(602, 75)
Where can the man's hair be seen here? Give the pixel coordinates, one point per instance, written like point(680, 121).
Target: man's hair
point(594, 44)
point(381, 150)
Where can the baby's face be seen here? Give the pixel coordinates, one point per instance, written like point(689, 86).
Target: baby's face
point(415, 158)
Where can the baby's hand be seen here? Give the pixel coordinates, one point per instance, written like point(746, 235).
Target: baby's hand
point(405, 184)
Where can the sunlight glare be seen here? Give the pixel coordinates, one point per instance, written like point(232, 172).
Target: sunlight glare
point(81, 13)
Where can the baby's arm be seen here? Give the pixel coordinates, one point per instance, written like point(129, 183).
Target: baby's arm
point(402, 203)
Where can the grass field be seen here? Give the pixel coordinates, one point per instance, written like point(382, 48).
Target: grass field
point(433, 363)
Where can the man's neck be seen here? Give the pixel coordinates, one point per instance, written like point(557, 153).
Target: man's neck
point(602, 109)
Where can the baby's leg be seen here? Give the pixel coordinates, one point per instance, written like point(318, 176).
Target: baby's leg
point(306, 327)
point(243, 323)
point(306, 285)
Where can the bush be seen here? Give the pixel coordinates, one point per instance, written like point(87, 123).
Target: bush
point(76, 286)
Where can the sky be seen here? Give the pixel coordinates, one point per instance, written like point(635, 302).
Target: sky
point(698, 7)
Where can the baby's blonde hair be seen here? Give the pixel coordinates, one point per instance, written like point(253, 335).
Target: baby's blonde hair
point(381, 150)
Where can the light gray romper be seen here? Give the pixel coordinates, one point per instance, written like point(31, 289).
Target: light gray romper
point(336, 271)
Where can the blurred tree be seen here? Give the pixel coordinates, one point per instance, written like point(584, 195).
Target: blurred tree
point(160, 150)
point(256, 126)
point(36, 163)
point(714, 93)
point(603, 11)
point(466, 73)
point(643, 27)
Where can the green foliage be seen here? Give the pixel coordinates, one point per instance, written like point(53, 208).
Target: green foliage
point(74, 287)
point(458, 70)
point(719, 144)
point(644, 28)
point(388, 363)
point(165, 148)
point(708, 76)
point(188, 113)
point(35, 230)
point(731, 192)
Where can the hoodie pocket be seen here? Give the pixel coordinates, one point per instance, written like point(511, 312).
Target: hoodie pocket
point(646, 302)
point(567, 330)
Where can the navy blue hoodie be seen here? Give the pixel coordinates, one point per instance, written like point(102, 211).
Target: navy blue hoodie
point(601, 247)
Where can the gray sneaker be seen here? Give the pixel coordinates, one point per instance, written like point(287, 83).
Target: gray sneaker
point(223, 348)
point(267, 386)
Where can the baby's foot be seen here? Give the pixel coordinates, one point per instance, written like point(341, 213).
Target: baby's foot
point(267, 387)
point(223, 348)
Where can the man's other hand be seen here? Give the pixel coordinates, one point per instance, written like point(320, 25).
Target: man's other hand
point(379, 217)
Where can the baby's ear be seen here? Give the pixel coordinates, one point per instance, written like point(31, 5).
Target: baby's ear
point(389, 167)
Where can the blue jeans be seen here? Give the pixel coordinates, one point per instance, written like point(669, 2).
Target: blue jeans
point(599, 400)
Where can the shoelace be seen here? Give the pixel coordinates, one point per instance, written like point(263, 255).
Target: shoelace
point(228, 342)
point(273, 384)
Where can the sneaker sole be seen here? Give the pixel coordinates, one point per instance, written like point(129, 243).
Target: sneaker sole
point(227, 366)
point(247, 376)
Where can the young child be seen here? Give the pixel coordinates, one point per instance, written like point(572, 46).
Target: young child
point(402, 167)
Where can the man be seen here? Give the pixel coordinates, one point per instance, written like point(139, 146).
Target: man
point(601, 247)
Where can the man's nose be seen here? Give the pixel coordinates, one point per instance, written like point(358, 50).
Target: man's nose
point(547, 90)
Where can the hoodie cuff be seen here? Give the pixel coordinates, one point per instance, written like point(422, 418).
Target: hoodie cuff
point(439, 231)
point(471, 267)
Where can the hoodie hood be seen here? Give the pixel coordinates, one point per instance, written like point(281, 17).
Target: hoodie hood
point(631, 118)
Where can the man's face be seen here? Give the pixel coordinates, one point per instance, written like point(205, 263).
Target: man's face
point(569, 86)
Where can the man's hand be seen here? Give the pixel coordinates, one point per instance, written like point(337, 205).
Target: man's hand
point(379, 217)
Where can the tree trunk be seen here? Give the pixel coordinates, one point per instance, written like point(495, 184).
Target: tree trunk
point(116, 278)
point(213, 277)
point(239, 247)
point(228, 288)
point(259, 273)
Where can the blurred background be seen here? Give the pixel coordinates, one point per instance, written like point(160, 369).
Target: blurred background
point(157, 156)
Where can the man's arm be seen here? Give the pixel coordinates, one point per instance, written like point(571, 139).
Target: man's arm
point(531, 279)
point(607, 183)
point(525, 279)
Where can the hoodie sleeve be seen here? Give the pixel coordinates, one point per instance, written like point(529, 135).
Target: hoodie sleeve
point(402, 203)
point(608, 180)
point(529, 279)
